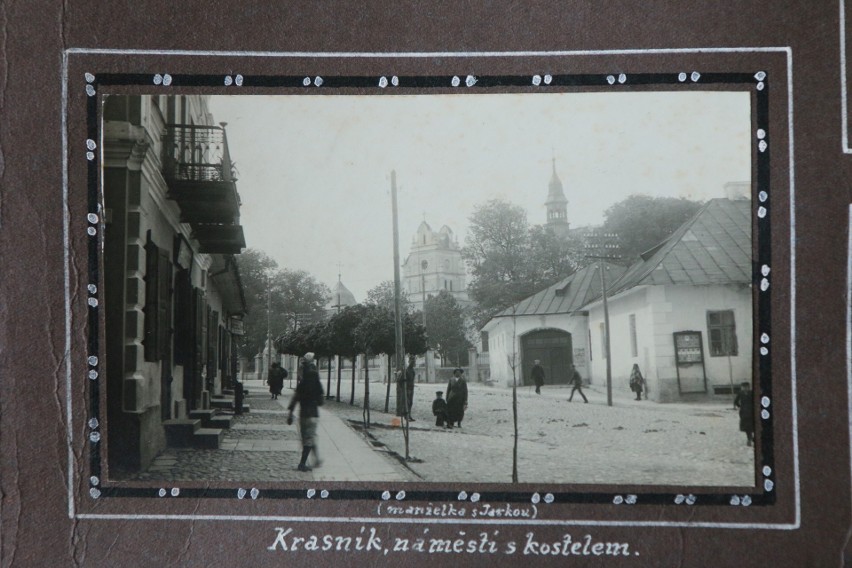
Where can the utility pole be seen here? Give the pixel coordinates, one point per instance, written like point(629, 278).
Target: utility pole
point(601, 247)
point(268, 323)
point(397, 297)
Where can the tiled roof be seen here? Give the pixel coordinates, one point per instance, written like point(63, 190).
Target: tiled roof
point(714, 247)
point(567, 295)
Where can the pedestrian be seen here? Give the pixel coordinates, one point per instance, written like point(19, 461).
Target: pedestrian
point(410, 376)
point(576, 381)
point(537, 374)
point(637, 382)
point(745, 402)
point(439, 409)
point(309, 397)
point(456, 398)
point(277, 374)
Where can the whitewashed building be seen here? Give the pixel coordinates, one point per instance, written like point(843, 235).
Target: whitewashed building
point(683, 312)
point(551, 326)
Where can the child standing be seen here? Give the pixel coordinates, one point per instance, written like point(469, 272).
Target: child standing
point(439, 409)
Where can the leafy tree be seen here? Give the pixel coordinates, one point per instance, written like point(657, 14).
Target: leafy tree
point(642, 222)
point(383, 295)
point(285, 292)
point(509, 260)
point(342, 339)
point(445, 326)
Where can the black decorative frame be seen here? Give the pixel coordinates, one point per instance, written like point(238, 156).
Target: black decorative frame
point(757, 82)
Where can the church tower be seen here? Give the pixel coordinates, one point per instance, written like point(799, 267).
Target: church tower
point(557, 205)
point(434, 263)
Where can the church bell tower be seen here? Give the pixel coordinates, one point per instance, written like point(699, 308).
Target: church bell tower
point(557, 205)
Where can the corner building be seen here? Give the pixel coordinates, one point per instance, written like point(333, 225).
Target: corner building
point(173, 294)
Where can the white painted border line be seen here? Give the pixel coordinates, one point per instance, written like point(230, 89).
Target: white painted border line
point(849, 329)
point(419, 54)
point(787, 50)
point(844, 106)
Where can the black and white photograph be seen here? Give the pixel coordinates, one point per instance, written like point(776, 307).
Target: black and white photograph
point(512, 287)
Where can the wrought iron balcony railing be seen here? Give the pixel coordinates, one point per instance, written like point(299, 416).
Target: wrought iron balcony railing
point(197, 153)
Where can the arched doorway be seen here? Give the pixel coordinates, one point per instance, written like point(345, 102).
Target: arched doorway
point(553, 347)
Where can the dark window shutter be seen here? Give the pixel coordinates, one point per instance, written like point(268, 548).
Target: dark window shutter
point(150, 310)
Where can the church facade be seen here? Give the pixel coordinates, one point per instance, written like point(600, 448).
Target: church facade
point(434, 263)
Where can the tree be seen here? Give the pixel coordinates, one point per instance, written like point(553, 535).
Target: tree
point(383, 295)
point(642, 222)
point(509, 260)
point(342, 339)
point(273, 298)
point(445, 326)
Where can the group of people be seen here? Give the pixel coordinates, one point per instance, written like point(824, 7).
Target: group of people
point(448, 412)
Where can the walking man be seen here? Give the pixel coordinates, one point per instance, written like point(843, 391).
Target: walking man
point(537, 374)
point(577, 383)
point(309, 396)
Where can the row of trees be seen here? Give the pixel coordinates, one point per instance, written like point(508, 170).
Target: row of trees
point(362, 329)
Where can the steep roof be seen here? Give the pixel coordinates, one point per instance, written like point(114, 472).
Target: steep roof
point(555, 193)
point(347, 298)
point(567, 295)
point(714, 247)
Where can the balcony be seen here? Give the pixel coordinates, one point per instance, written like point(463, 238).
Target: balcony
point(202, 179)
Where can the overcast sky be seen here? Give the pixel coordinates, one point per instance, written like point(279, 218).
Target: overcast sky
point(315, 170)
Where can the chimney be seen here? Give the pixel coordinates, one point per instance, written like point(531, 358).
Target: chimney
point(738, 190)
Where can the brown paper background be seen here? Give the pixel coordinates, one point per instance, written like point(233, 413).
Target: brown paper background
point(36, 529)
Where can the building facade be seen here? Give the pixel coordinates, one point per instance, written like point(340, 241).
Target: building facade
point(683, 313)
point(434, 263)
point(173, 294)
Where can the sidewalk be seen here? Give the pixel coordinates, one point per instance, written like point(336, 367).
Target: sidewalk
point(260, 446)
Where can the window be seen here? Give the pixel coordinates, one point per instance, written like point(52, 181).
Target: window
point(603, 340)
point(634, 347)
point(722, 333)
point(484, 336)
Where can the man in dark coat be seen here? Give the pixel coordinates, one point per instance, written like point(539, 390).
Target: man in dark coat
point(537, 374)
point(576, 382)
point(410, 376)
point(456, 398)
point(309, 397)
point(745, 402)
point(276, 379)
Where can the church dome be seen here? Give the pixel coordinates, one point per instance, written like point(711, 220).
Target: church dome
point(346, 298)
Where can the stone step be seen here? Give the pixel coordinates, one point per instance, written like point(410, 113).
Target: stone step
point(222, 402)
point(219, 422)
point(211, 418)
point(228, 392)
point(246, 409)
point(207, 438)
point(180, 431)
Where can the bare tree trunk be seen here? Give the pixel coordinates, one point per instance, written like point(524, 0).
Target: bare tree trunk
point(366, 412)
point(387, 394)
point(352, 394)
point(339, 371)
